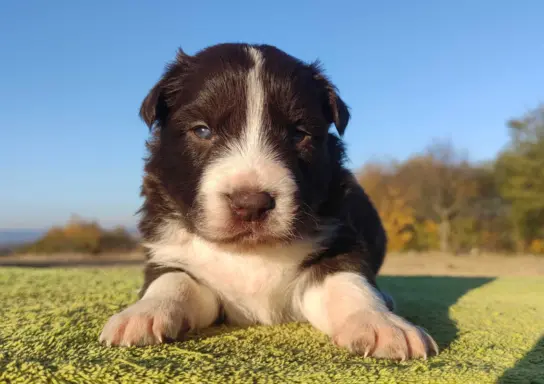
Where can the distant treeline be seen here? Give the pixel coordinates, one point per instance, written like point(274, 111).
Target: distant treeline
point(439, 200)
point(81, 236)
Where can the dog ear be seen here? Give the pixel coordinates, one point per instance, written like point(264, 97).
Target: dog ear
point(334, 108)
point(154, 108)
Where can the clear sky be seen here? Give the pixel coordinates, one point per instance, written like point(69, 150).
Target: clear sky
point(73, 75)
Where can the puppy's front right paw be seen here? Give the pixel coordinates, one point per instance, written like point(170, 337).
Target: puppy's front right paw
point(385, 335)
point(146, 322)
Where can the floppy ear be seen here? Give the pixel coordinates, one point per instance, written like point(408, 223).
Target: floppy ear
point(335, 109)
point(154, 108)
point(340, 111)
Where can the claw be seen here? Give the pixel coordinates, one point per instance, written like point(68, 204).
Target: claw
point(146, 322)
point(381, 336)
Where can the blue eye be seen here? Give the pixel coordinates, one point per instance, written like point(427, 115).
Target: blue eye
point(203, 132)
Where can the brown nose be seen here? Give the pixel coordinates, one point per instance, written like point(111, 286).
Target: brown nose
point(251, 206)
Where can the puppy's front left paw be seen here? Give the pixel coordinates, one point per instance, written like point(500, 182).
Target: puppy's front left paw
point(384, 335)
point(146, 322)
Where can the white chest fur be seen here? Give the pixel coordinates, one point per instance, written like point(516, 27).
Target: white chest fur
point(254, 286)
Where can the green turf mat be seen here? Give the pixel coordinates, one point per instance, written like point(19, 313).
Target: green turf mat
point(489, 330)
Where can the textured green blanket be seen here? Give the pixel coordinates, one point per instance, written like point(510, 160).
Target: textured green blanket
point(489, 330)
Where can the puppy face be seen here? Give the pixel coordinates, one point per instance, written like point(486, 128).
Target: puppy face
point(240, 147)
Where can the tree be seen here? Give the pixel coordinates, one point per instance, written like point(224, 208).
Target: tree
point(440, 184)
point(81, 236)
point(520, 175)
point(395, 212)
point(490, 212)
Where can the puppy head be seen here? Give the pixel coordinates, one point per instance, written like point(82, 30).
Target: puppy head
point(240, 146)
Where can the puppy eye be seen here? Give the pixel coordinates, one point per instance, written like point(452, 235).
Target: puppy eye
point(203, 132)
point(300, 136)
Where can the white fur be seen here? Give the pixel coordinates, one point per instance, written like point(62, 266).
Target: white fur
point(351, 311)
point(261, 286)
point(328, 304)
point(254, 286)
point(255, 105)
point(248, 163)
point(201, 304)
point(173, 302)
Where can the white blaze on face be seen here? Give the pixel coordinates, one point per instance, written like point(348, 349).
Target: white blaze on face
point(248, 163)
point(252, 145)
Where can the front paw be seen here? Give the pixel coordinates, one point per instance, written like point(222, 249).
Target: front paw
point(146, 322)
point(384, 335)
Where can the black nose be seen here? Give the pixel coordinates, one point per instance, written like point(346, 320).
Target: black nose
point(251, 206)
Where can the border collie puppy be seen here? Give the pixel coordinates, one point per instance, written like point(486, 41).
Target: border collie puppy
point(250, 216)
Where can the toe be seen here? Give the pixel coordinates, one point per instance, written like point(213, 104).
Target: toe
point(113, 331)
point(391, 343)
point(420, 343)
point(432, 347)
point(385, 335)
point(417, 345)
point(357, 335)
point(139, 331)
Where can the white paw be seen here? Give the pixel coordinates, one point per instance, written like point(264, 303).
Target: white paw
point(146, 322)
point(384, 335)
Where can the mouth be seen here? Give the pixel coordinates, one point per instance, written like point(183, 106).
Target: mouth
point(248, 234)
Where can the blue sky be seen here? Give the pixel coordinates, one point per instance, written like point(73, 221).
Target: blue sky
point(73, 75)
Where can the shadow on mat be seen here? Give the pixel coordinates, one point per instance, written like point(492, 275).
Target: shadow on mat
point(528, 370)
point(426, 300)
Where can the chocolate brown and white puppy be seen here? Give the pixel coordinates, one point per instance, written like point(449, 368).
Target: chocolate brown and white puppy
point(250, 216)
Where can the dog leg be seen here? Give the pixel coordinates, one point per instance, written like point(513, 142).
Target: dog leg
point(345, 306)
point(172, 305)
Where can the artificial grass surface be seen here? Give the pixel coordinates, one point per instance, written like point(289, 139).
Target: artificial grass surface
point(489, 330)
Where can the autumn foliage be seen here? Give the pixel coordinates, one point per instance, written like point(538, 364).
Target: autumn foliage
point(81, 236)
point(397, 215)
point(439, 200)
